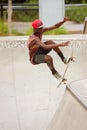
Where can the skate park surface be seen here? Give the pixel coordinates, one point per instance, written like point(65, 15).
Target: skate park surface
point(29, 96)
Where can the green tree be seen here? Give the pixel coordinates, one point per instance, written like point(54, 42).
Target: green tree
point(14, 1)
point(32, 1)
point(67, 1)
point(75, 1)
point(20, 1)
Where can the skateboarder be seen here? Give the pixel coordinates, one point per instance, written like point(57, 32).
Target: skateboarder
point(38, 50)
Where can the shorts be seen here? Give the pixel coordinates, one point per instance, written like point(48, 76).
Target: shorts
point(39, 56)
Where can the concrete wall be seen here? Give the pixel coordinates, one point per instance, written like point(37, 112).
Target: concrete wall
point(51, 11)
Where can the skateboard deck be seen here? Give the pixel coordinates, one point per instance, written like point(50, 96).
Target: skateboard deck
point(63, 77)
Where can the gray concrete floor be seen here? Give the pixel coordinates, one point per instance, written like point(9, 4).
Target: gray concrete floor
point(29, 95)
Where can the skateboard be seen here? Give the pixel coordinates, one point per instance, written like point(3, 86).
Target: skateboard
point(63, 77)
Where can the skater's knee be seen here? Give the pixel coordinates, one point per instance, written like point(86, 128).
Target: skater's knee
point(49, 42)
point(48, 58)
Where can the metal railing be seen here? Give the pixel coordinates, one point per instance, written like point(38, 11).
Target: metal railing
point(18, 7)
point(27, 7)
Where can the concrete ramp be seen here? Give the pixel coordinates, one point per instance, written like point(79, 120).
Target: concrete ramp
point(29, 96)
point(72, 113)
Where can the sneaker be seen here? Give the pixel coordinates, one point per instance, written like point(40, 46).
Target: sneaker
point(57, 75)
point(66, 61)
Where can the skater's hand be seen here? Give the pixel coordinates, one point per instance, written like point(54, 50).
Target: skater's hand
point(66, 43)
point(66, 19)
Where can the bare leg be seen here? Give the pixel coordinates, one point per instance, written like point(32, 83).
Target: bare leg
point(48, 59)
point(57, 50)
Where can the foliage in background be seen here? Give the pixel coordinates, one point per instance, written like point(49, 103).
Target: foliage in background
point(25, 16)
point(31, 1)
point(3, 28)
point(75, 1)
point(57, 31)
point(20, 1)
point(14, 1)
point(4, 31)
point(35, 1)
point(77, 14)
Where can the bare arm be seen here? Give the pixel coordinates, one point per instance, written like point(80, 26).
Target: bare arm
point(51, 46)
point(57, 25)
